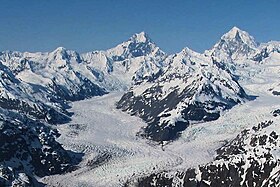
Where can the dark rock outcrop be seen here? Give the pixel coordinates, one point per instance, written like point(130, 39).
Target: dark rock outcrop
point(29, 148)
point(248, 160)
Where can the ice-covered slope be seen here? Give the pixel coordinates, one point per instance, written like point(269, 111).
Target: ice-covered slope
point(191, 89)
point(128, 63)
point(73, 76)
point(187, 87)
point(234, 45)
point(35, 89)
point(53, 71)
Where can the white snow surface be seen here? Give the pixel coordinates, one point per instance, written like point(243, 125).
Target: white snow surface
point(114, 69)
point(99, 129)
point(108, 131)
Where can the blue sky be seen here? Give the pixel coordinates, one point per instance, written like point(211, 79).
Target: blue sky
point(86, 25)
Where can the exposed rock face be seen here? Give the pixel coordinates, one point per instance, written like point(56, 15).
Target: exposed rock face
point(251, 159)
point(191, 89)
point(29, 149)
point(35, 89)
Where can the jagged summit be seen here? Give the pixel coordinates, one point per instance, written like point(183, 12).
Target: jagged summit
point(140, 44)
point(187, 50)
point(63, 50)
point(237, 34)
point(233, 31)
point(141, 37)
point(233, 45)
point(58, 49)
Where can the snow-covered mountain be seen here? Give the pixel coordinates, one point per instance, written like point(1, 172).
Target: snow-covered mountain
point(35, 90)
point(53, 71)
point(38, 81)
point(127, 63)
point(234, 45)
point(196, 87)
point(73, 76)
point(186, 93)
point(191, 89)
point(252, 158)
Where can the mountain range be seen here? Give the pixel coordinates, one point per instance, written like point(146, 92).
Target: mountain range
point(169, 92)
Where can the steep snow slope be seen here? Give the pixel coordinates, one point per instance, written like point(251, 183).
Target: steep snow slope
point(74, 77)
point(234, 45)
point(29, 99)
point(129, 62)
point(191, 89)
point(53, 72)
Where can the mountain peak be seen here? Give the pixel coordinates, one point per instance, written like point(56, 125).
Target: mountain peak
point(139, 44)
point(234, 30)
point(236, 44)
point(141, 37)
point(237, 34)
point(59, 50)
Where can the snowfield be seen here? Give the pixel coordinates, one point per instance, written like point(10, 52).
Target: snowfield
point(114, 154)
point(208, 97)
point(107, 135)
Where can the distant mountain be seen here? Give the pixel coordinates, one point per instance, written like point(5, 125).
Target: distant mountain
point(265, 50)
point(127, 63)
point(234, 45)
point(73, 76)
point(53, 72)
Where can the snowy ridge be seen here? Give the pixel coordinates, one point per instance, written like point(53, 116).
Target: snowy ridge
point(94, 73)
point(191, 89)
point(136, 59)
point(197, 96)
point(36, 88)
point(234, 45)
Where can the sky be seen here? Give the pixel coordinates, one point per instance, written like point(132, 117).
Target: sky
point(87, 25)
